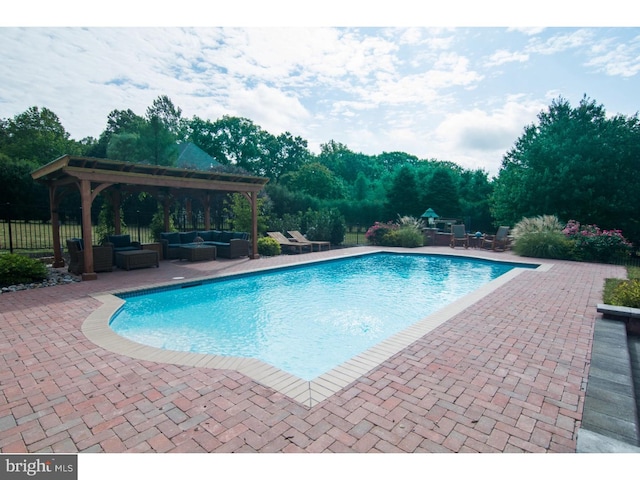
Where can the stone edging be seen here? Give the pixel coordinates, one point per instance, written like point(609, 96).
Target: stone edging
point(610, 416)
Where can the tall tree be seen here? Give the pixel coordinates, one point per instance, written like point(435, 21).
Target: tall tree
point(347, 164)
point(166, 113)
point(19, 193)
point(576, 163)
point(118, 122)
point(36, 135)
point(238, 141)
point(390, 161)
point(203, 134)
point(441, 194)
point(475, 190)
point(124, 147)
point(316, 180)
point(403, 197)
point(286, 154)
point(157, 144)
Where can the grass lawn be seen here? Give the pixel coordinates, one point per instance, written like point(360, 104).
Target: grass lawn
point(610, 284)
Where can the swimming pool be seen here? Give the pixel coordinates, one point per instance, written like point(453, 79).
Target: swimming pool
point(304, 320)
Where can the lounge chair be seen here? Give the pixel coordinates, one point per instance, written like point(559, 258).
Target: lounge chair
point(102, 257)
point(499, 241)
point(298, 237)
point(285, 242)
point(459, 236)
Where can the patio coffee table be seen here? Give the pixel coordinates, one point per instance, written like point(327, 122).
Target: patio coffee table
point(131, 259)
point(195, 253)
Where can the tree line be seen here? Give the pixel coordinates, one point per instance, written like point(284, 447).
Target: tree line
point(574, 162)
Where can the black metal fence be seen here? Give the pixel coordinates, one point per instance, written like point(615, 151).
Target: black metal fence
point(33, 237)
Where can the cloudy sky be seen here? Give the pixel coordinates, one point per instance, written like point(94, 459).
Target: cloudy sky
point(462, 94)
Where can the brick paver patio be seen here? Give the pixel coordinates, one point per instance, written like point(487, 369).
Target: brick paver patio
point(508, 374)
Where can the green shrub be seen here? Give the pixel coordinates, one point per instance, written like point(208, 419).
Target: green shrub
point(410, 237)
point(545, 245)
point(326, 225)
point(16, 269)
point(268, 247)
point(626, 294)
point(390, 238)
point(402, 237)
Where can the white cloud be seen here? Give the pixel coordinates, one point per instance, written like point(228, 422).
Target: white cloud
point(505, 56)
point(478, 138)
point(270, 108)
point(527, 30)
point(617, 60)
point(560, 43)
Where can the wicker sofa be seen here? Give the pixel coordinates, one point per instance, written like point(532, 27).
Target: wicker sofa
point(120, 243)
point(102, 257)
point(228, 244)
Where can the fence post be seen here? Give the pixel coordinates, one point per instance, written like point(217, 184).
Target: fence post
point(138, 222)
point(9, 224)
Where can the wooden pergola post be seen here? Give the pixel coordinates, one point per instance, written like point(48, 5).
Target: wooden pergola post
point(85, 198)
point(54, 203)
point(116, 198)
point(166, 204)
point(207, 211)
point(254, 224)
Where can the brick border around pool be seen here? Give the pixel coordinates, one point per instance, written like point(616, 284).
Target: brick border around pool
point(308, 393)
point(508, 374)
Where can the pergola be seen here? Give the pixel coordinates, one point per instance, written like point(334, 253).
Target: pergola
point(93, 176)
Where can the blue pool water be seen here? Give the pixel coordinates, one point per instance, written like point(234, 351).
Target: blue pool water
point(304, 320)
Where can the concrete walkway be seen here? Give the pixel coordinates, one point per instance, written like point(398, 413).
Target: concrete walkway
point(506, 374)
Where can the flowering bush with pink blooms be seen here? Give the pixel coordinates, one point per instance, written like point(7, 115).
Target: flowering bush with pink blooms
point(378, 230)
point(406, 232)
point(595, 244)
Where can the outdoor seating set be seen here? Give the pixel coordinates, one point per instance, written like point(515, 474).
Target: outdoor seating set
point(128, 254)
point(498, 242)
point(298, 242)
point(122, 252)
point(102, 257)
point(116, 250)
point(204, 245)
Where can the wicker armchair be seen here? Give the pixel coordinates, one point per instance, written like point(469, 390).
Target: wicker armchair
point(102, 257)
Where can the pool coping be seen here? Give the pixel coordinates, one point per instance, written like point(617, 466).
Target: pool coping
point(308, 393)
